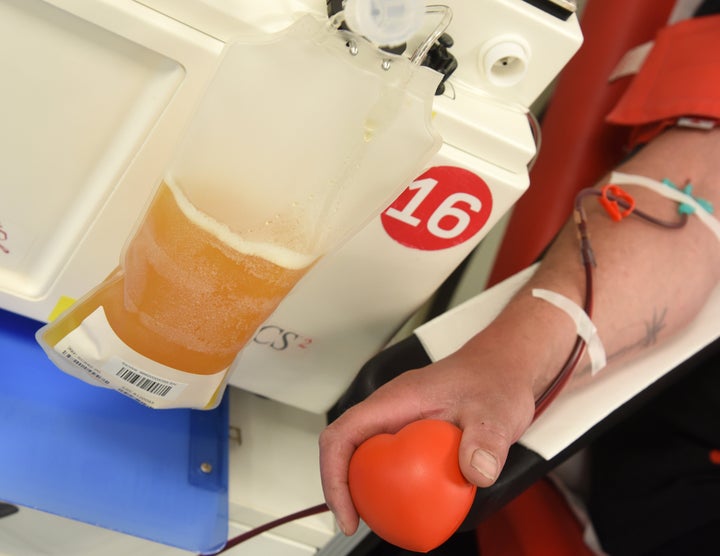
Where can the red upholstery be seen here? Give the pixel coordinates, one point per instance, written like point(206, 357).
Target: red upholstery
point(537, 523)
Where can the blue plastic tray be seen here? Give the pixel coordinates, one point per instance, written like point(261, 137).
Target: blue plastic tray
point(92, 455)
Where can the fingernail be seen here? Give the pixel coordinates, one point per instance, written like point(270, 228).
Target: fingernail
point(342, 527)
point(485, 463)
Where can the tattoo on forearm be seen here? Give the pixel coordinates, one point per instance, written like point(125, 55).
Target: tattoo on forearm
point(652, 330)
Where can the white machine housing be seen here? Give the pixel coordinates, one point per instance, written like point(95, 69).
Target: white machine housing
point(96, 95)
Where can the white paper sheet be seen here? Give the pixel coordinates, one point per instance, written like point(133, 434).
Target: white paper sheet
point(579, 407)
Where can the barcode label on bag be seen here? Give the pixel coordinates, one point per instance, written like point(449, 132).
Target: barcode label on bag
point(94, 353)
point(144, 383)
point(139, 384)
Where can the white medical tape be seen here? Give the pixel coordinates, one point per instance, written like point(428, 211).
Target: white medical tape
point(618, 178)
point(584, 326)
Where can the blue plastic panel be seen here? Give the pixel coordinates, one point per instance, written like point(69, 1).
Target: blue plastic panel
point(92, 455)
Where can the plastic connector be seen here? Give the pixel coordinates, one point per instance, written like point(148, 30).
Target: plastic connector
point(385, 22)
point(613, 198)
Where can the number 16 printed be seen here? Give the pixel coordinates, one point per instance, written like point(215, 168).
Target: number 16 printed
point(444, 207)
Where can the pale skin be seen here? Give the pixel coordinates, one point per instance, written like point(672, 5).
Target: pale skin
point(649, 283)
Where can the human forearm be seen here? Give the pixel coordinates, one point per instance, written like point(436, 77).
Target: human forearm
point(649, 281)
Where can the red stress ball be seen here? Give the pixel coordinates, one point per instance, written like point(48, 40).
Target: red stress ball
point(408, 487)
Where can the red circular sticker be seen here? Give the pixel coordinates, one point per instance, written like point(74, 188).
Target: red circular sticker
point(443, 207)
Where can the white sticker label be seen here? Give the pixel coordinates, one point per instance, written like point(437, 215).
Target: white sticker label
point(74, 358)
point(93, 353)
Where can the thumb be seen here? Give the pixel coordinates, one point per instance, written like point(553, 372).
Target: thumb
point(484, 448)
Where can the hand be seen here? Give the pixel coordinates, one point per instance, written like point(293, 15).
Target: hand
point(491, 403)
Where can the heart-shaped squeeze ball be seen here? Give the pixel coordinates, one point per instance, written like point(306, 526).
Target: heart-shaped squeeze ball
point(408, 486)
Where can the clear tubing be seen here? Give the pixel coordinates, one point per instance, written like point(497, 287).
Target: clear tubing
point(422, 50)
